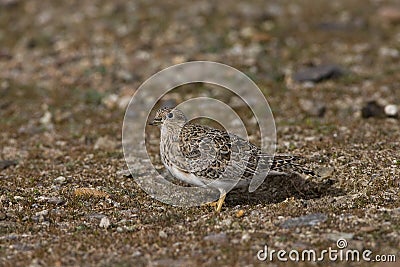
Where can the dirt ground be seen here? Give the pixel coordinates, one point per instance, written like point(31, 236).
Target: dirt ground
point(69, 68)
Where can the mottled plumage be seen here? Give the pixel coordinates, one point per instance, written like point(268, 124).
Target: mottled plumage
point(199, 155)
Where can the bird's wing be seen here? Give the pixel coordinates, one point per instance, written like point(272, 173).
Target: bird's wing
point(210, 151)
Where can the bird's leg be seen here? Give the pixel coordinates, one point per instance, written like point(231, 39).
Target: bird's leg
point(218, 204)
point(220, 201)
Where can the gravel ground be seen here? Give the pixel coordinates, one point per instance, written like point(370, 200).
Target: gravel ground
point(329, 69)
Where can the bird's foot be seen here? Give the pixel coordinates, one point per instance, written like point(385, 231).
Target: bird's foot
point(217, 204)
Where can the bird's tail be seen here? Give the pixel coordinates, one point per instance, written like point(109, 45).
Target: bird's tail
point(289, 164)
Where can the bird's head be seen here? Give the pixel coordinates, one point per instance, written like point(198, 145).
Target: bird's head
point(170, 116)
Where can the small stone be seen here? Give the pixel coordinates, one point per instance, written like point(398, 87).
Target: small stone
point(340, 235)
point(125, 173)
point(60, 180)
point(325, 172)
point(104, 222)
point(110, 101)
point(368, 229)
point(8, 3)
point(389, 52)
point(45, 120)
point(391, 110)
point(125, 75)
point(390, 14)
point(217, 238)
point(246, 237)
point(136, 254)
point(7, 163)
point(56, 201)
point(3, 216)
point(162, 234)
point(120, 229)
point(104, 143)
point(226, 222)
point(42, 213)
point(123, 102)
point(306, 220)
point(312, 108)
point(40, 216)
point(372, 109)
point(318, 73)
point(240, 213)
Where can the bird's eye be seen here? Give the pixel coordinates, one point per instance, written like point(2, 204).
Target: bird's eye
point(170, 115)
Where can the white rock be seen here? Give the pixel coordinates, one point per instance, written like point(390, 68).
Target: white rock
point(110, 101)
point(162, 234)
point(391, 110)
point(104, 222)
point(42, 213)
point(46, 118)
point(123, 102)
point(246, 237)
point(60, 180)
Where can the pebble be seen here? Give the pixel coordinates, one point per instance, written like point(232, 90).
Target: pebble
point(240, 213)
point(104, 222)
point(110, 101)
point(125, 173)
point(246, 237)
point(162, 234)
point(7, 163)
point(391, 110)
point(340, 235)
point(325, 171)
point(318, 73)
point(389, 52)
point(217, 238)
point(368, 229)
point(60, 180)
point(306, 220)
point(46, 118)
point(104, 143)
point(137, 253)
point(226, 222)
point(389, 14)
point(42, 213)
point(312, 108)
point(40, 216)
point(56, 201)
point(124, 75)
point(123, 102)
point(372, 109)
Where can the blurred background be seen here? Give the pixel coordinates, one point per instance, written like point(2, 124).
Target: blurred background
point(329, 69)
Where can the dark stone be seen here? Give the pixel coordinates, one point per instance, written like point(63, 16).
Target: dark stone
point(318, 73)
point(7, 163)
point(372, 109)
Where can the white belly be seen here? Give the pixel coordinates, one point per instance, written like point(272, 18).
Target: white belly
point(185, 177)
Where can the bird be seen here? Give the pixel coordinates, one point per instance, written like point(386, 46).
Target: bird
point(200, 155)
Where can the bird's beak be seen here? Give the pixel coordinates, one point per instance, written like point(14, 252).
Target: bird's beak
point(155, 122)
